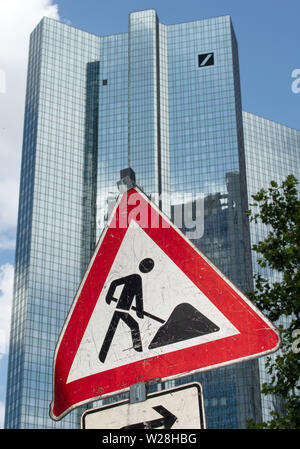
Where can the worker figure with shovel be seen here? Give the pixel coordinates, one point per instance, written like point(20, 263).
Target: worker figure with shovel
point(132, 288)
point(184, 322)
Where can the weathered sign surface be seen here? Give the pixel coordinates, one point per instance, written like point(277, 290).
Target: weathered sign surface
point(151, 305)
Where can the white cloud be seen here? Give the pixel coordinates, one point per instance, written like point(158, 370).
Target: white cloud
point(2, 82)
point(17, 20)
point(9, 195)
point(6, 293)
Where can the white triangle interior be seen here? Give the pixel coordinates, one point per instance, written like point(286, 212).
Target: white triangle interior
point(164, 288)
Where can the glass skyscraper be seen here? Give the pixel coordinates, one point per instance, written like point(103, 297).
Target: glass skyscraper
point(164, 100)
point(56, 230)
point(272, 153)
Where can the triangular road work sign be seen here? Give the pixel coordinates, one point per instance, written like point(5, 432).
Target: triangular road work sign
point(150, 305)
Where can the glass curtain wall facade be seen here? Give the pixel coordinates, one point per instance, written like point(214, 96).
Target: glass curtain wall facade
point(272, 153)
point(112, 122)
point(207, 158)
point(164, 100)
point(133, 111)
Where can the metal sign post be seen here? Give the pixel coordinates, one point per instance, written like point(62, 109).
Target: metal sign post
point(176, 408)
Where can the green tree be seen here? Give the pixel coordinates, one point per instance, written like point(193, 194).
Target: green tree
point(278, 207)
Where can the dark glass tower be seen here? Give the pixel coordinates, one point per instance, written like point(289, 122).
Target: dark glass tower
point(272, 152)
point(56, 221)
point(164, 100)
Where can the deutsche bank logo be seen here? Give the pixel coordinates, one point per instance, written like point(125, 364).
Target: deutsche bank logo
point(206, 59)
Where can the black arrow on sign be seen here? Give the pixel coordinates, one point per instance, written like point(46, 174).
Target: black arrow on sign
point(167, 420)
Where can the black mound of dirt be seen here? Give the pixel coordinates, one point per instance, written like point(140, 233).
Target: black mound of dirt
point(185, 322)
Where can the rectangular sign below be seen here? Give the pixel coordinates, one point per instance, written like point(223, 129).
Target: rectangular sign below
point(176, 408)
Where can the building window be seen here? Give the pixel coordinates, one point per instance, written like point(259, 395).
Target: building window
point(223, 401)
point(104, 82)
point(206, 59)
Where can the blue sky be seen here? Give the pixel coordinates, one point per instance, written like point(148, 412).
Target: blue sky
point(268, 37)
